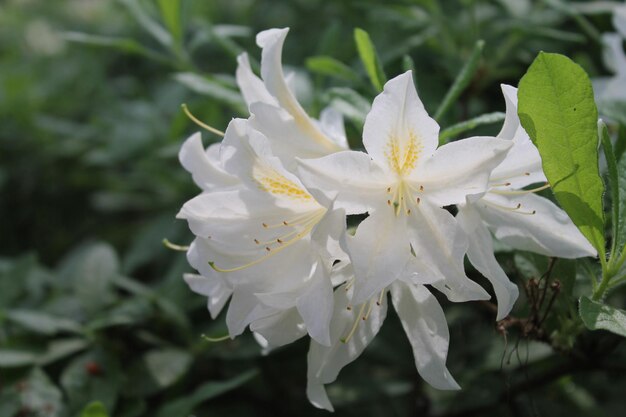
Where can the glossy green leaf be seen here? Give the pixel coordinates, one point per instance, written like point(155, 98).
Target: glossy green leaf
point(94, 409)
point(461, 81)
point(370, 59)
point(557, 110)
point(598, 316)
point(185, 406)
point(621, 215)
point(331, 67)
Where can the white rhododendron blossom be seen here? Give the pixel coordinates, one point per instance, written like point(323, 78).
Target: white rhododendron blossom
point(270, 224)
point(612, 89)
point(515, 215)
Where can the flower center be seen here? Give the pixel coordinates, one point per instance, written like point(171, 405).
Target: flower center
point(402, 155)
point(402, 196)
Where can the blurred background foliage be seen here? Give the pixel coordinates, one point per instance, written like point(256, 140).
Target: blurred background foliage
point(93, 307)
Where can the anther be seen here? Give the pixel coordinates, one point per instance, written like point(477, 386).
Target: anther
point(349, 308)
point(264, 225)
point(267, 248)
point(421, 188)
point(388, 189)
point(285, 223)
point(527, 173)
point(418, 200)
point(256, 241)
point(408, 211)
point(519, 205)
point(388, 202)
point(279, 241)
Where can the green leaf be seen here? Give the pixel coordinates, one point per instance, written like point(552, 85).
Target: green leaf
point(350, 103)
point(170, 12)
point(485, 119)
point(41, 396)
point(61, 348)
point(94, 376)
point(94, 409)
point(10, 358)
point(462, 80)
point(621, 182)
point(597, 316)
point(211, 88)
point(370, 59)
point(185, 406)
point(125, 45)
point(557, 110)
point(611, 163)
point(42, 323)
point(157, 370)
point(148, 23)
point(331, 67)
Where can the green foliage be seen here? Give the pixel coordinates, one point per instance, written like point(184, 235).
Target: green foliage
point(94, 409)
point(369, 57)
point(557, 109)
point(90, 95)
point(598, 316)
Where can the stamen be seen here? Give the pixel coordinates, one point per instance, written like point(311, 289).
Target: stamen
point(421, 188)
point(380, 298)
point(354, 326)
point(522, 192)
point(264, 225)
point(201, 124)
point(388, 202)
point(173, 246)
point(369, 310)
point(418, 200)
point(504, 184)
point(279, 241)
point(388, 189)
point(512, 209)
point(215, 339)
point(307, 226)
point(256, 241)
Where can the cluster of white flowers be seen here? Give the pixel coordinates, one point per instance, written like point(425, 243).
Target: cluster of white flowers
point(270, 224)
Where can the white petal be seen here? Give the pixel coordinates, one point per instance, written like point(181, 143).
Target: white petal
point(352, 179)
point(325, 362)
point(251, 86)
point(438, 240)
point(619, 19)
point(379, 252)
point(213, 288)
point(280, 329)
point(243, 309)
point(549, 231)
point(272, 72)
point(331, 122)
point(286, 137)
point(511, 121)
point(614, 56)
point(480, 254)
point(328, 236)
point(206, 173)
point(459, 168)
point(425, 325)
point(316, 306)
point(398, 132)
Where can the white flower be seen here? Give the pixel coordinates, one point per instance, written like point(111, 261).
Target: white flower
point(354, 327)
point(517, 217)
point(269, 241)
point(277, 113)
point(610, 89)
point(403, 182)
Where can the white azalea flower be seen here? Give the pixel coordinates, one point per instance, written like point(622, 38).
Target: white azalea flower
point(353, 327)
point(277, 113)
point(608, 89)
point(403, 182)
point(516, 216)
point(205, 166)
point(271, 244)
